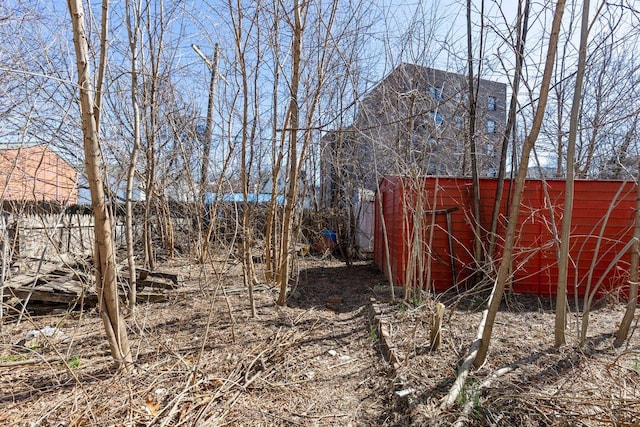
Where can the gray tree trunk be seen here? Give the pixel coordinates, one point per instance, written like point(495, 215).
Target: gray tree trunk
point(293, 123)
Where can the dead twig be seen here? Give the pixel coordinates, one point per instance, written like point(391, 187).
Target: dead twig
point(463, 372)
point(470, 404)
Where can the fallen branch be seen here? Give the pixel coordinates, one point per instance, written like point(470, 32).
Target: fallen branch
point(448, 401)
point(262, 361)
point(469, 405)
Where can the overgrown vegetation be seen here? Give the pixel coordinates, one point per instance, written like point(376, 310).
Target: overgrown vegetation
point(249, 176)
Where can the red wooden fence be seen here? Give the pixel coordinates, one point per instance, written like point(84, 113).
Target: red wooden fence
point(424, 234)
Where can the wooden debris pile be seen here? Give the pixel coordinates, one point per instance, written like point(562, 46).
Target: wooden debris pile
point(382, 323)
point(72, 283)
point(152, 286)
point(52, 283)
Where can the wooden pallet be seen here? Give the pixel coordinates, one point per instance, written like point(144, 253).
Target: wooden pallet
point(52, 284)
point(153, 279)
point(56, 283)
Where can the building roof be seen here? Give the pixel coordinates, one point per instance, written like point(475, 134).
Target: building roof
point(253, 198)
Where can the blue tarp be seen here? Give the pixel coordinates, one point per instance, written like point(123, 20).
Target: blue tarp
point(259, 198)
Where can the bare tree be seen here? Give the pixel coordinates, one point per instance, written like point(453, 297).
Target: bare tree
point(298, 69)
point(473, 102)
point(607, 106)
point(158, 95)
point(104, 256)
point(133, 15)
point(510, 233)
point(608, 115)
point(522, 28)
point(241, 40)
point(206, 153)
point(563, 260)
point(292, 123)
point(629, 314)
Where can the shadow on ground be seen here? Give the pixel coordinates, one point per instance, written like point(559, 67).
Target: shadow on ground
point(339, 288)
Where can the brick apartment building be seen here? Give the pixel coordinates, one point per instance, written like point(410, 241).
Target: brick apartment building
point(415, 121)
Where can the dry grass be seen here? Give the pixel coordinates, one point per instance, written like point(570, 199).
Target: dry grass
point(201, 360)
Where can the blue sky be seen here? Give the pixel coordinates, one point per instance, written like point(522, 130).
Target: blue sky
point(428, 32)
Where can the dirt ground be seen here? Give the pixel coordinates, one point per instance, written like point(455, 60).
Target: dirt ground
point(201, 360)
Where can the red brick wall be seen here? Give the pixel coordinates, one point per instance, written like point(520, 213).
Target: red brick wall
point(36, 174)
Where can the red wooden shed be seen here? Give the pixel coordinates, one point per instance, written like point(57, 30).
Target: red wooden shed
point(424, 233)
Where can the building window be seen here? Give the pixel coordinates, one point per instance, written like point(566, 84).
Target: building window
point(491, 126)
point(491, 103)
point(419, 124)
point(436, 117)
point(462, 97)
point(436, 92)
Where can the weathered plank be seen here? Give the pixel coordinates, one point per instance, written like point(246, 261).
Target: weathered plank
point(67, 285)
point(150, 296)
point(56, 283)
point(37, 294)
point(153, 279)
point(50, 283)
point(144, 274)
point(29, 277)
